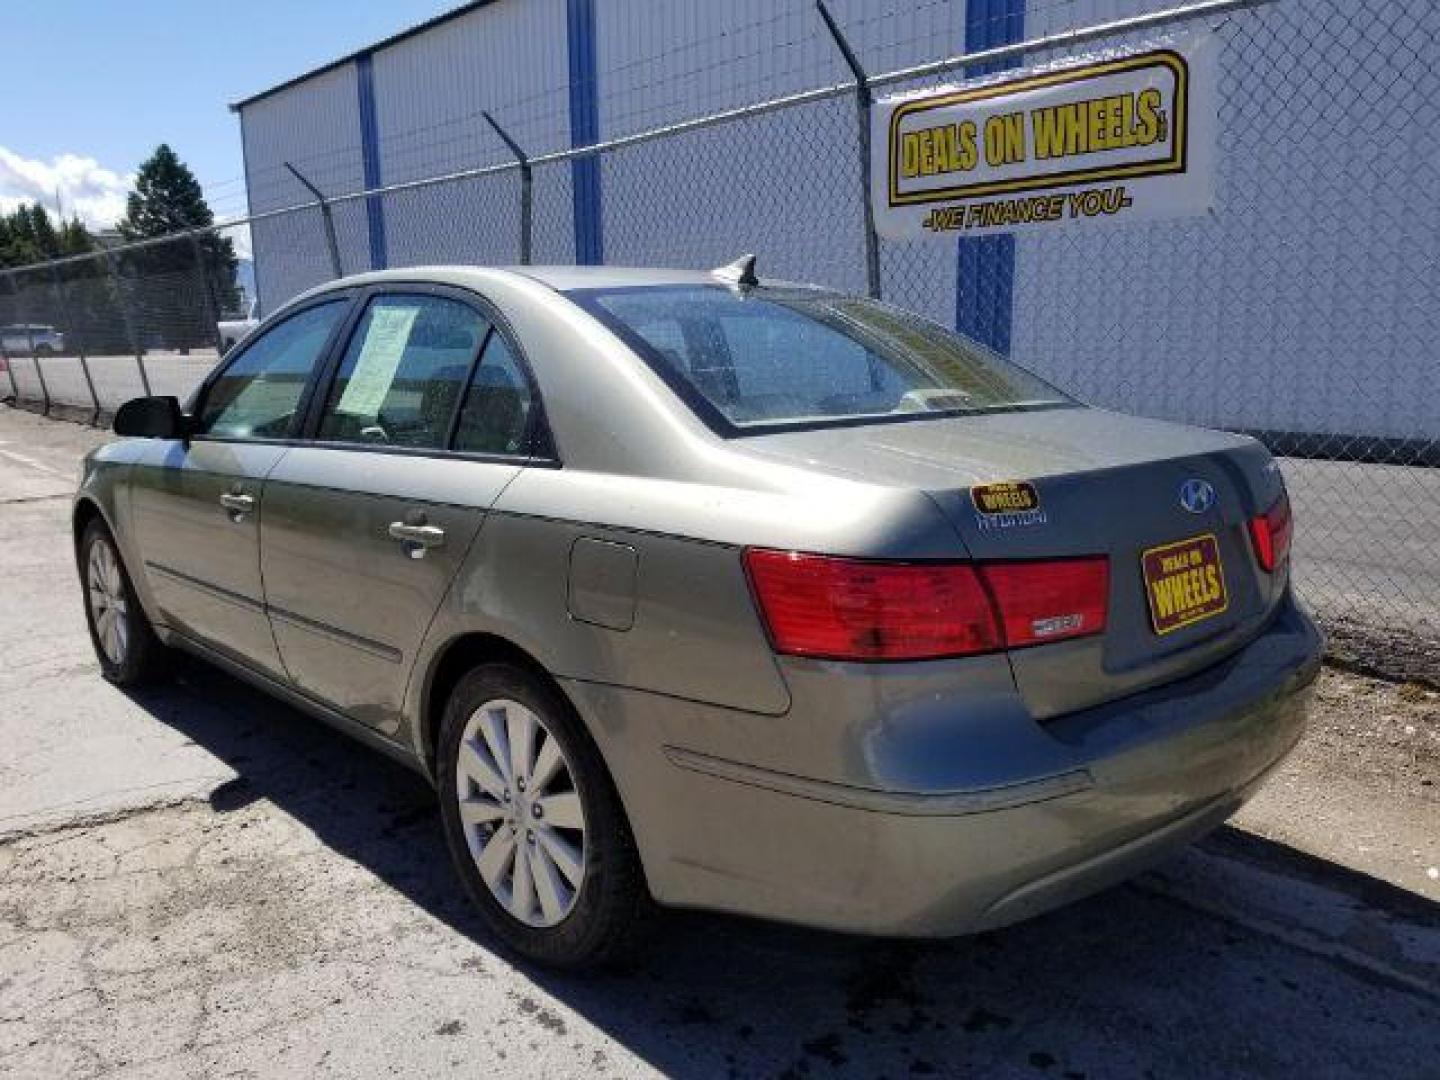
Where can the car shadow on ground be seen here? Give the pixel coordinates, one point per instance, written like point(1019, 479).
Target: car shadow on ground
point(1129, 983)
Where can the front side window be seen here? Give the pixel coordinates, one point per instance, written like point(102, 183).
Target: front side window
point(400, 381)
point(258, 393)
point(765, 357)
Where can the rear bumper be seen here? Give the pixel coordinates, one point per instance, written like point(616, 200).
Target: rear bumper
point(1123, 785)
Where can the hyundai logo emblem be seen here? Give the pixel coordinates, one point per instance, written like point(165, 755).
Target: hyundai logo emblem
point(1197, 496)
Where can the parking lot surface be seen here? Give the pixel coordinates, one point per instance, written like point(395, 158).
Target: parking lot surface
point(197, 880)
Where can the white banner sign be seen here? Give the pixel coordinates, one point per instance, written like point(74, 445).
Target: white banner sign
point(1108, 139)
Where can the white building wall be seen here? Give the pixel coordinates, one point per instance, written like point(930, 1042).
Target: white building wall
point(1286, 310)
point(314, 125)
point(1305, 302)
point(785, 186)
point(510, 58)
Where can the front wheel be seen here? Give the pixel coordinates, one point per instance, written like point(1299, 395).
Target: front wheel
point(533, 822)
point(129, 652)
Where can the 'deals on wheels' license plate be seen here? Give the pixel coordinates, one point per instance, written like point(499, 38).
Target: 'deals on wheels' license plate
point(1184, 582)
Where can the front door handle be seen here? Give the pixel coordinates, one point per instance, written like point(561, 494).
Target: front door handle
point(416, 539)
point(238, 503)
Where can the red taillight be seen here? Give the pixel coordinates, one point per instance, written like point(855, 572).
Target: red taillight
point(1049, 601)
point(857, 609)
point(854, 609)
point(1270, 532)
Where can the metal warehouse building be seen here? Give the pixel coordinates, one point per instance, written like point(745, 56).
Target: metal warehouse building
point(1304, 304)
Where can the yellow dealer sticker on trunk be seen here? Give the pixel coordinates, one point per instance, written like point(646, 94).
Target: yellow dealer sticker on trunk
point(1010, 497)
point(1006, 504)
point(1184, 582)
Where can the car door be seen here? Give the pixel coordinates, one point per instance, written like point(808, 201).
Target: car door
point(426, 419)
point(195, 503)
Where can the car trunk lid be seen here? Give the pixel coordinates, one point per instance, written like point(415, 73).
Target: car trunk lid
point(1068, 482)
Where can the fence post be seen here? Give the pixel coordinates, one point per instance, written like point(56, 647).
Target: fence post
point(207, 294)
point(527, 196)
point(863, 101)
point(34, 357)
point(62, 302)
point(10, 371)
point(129, 317)
point(335, 267)
point(40, 374)
point(5, 356)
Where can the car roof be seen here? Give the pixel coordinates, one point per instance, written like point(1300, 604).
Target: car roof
point(565, 278)
point(559, 278)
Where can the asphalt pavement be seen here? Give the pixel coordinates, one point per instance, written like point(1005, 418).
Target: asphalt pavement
point(196, 880)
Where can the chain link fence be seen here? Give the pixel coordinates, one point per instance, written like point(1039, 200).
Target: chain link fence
point(1302, 310)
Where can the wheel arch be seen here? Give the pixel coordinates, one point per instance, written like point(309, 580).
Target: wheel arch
point(90, 506)
point(85, 511)
point(449, 665)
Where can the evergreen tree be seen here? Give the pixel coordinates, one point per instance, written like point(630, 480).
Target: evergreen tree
point(77, 297)
point(26, 236)
point(75, 239)
point(47, 240)
point(168, 199)
point(89, 303)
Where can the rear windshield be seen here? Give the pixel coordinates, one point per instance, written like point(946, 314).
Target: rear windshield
point(759, 358)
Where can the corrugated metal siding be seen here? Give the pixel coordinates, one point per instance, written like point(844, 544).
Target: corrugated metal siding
point(315, 126)
point(1204, 319)
point(507, 57)
point(1286, 309)
point(659, 63)
point(800, 209)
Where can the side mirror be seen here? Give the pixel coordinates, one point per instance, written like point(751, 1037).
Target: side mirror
point(152, 418)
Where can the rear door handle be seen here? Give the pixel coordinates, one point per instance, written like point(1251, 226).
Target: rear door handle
point(237, 502)
point(425, 536)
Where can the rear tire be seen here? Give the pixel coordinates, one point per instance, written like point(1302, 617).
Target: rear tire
point(125, 643)
point(553, 869)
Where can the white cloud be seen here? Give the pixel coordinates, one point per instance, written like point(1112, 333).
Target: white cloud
point(83, 185)
point(240, 237)
point(85, 188)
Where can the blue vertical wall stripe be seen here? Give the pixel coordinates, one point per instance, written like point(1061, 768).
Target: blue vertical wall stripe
point(370, 160)
point(985, 265)
point(584, 130)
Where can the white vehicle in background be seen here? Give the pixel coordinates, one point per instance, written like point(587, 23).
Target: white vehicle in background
point(31, 339)
point(232, 330)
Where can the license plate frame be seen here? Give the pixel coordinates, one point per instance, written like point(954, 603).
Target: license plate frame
point(1179, 590)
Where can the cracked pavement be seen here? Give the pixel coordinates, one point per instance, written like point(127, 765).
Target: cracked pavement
point(199, 881)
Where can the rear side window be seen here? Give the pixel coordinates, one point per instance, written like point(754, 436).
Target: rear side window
point(259, 391)
point(498, 404)
point(403, 372)
point(767, 357)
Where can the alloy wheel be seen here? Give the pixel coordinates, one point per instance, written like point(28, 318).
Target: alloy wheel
point(521, 813)
point(109, 610)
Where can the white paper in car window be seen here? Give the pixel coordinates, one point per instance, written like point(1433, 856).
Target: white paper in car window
point(385, 341)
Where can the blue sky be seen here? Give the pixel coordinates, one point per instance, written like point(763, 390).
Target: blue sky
point(92, 86)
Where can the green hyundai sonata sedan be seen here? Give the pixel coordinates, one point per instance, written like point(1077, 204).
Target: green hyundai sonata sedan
point(727, 594)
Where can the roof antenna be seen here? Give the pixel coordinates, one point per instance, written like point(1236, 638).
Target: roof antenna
point(739, 272)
